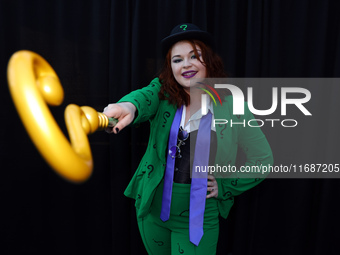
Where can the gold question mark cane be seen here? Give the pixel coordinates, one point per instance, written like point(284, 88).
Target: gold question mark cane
point(33, 83)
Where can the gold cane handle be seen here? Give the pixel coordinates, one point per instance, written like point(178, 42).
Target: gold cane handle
point(33, 84)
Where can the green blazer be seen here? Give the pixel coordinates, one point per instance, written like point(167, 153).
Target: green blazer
point(160, 114)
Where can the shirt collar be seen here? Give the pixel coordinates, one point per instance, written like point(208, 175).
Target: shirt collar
point(193, 122)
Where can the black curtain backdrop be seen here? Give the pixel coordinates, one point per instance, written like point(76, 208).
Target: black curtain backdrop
point(102, 50)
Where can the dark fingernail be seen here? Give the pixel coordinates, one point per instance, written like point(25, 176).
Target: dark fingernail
point(117, 130)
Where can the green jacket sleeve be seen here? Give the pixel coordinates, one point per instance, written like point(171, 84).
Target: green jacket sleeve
point(146, 101)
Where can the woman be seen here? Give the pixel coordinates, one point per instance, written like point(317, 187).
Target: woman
point(178, 209)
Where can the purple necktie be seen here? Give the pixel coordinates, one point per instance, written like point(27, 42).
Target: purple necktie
point(170, 165)
point(198, 190)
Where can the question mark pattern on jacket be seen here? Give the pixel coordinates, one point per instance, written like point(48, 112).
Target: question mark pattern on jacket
point(152, 168)
point(228, 194)
point(221, 133)
point(234, 182)
point(181, 251)
point(159, 243)
point(137, 102)
point(166, 115)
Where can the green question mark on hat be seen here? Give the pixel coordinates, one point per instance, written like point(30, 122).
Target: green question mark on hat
point(184, 27)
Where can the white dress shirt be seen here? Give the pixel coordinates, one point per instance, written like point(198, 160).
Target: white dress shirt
point(194, 121)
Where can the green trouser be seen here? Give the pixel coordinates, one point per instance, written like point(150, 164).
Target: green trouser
point(172, 236)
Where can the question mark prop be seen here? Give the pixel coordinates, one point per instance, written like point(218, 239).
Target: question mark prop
point(33, 84)
point(184, 27)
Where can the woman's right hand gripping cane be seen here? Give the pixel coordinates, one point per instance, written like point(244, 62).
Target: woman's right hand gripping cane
point(124, 112)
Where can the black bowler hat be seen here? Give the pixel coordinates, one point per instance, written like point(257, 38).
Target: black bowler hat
point(185, 31)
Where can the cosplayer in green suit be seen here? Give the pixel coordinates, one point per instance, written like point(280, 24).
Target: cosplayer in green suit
point(150, 173)
point(157, 103)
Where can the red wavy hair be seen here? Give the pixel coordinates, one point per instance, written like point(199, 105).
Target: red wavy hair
point(171, 90)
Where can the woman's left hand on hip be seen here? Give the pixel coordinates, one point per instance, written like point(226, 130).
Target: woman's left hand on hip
point(212, 186)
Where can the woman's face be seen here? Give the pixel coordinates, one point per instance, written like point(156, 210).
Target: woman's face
point(185, 65)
